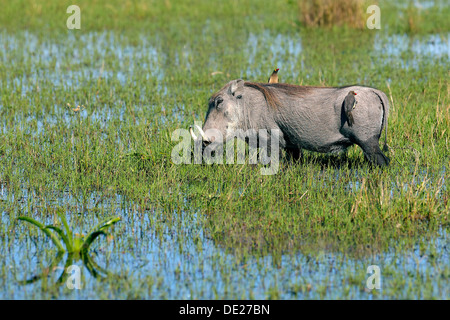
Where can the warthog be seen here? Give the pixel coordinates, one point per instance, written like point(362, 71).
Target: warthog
point(311, 118)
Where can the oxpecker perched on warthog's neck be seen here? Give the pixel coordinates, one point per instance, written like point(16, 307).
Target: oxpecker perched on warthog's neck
point(274, 76)
point(307, 117)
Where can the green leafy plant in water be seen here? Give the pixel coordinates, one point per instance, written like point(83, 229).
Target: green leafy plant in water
point(74, 244)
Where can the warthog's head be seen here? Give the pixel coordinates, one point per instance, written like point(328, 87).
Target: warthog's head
point(224, 115)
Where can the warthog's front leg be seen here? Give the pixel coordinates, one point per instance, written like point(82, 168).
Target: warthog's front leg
point(294, 154)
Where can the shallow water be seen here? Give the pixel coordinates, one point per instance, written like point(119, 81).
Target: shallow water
point(201, 269)
point(434, 47)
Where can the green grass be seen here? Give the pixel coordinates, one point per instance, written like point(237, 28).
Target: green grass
point(184, 18)
point(143, 70)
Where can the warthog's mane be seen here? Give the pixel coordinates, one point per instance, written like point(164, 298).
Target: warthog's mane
point(269, 90)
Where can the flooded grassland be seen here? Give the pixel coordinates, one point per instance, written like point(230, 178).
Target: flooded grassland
point(218, 231)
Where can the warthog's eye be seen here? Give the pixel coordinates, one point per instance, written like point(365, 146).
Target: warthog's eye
point(239, 96)
point(218, 101)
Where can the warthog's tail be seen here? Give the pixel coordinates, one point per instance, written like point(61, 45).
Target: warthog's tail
point(385, 104)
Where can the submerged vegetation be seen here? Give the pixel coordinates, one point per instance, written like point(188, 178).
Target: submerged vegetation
point(143, 69)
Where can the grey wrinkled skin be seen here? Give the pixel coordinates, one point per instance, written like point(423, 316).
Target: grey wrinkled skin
point(310, 118)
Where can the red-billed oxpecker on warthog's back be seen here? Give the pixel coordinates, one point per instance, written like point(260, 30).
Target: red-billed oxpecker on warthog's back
point(310, 118)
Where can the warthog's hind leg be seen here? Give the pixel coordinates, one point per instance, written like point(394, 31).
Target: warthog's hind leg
point(373, 152)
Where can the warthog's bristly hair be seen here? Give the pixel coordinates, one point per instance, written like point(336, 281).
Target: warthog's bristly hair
point(269, 95)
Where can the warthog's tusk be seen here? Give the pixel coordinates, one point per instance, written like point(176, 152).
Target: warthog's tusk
point(191, 131)
point(204, 137)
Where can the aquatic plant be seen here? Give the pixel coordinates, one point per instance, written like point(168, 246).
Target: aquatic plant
point(74, 244)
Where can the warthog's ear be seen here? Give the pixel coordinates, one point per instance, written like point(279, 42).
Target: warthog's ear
point(235, 85)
